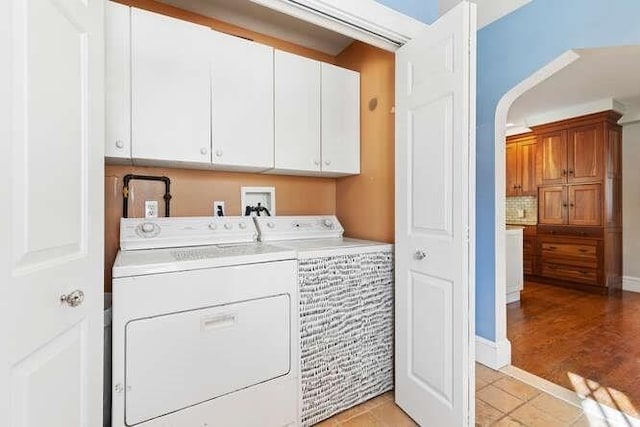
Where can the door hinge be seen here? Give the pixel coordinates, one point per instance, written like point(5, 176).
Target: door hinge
point(466, 233)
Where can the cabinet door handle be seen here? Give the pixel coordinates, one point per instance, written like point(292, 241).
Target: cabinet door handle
point(564, 172)
point(564, 205)
point(570, 171)
point(119, 143)
point(204, 151)
point(571, 205)
point(327, 162)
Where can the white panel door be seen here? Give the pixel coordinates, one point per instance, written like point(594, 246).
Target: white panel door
point(340, 120)
point(297, 113)
point(435, 121)
point(241, 103)
point(51, 182)
point(170, 89)
point(117, 81)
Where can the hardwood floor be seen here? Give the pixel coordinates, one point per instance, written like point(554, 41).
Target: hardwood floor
point(584, 342)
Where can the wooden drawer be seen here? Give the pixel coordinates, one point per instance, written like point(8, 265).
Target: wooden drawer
point(583, 254)
point(527, 265)
point(571, 273)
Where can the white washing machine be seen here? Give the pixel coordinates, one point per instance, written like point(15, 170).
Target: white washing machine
point(346, 312)
point(205, 326)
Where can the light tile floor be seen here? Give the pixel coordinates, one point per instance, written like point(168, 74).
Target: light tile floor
point(500, 401)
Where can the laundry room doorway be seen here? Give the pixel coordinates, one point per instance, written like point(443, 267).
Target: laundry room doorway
point(582, 108)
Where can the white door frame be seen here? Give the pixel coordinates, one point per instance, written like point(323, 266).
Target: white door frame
point(364, 20)
point(498, 354)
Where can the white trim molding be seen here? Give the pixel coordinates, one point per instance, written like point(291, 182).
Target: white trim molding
point(364, 20)
point(495, 355)
point(631, 284)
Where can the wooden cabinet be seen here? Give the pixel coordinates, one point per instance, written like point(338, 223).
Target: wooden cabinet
point(552, 205)
point(340, 121)
point(297, 113)
point(170, 90)
point(521, 165)
point(529, 252)
point(241, 104)
point(117, 83)
point(579, 202)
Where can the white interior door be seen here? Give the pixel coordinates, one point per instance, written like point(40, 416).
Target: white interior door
point(51, 222)
point(435, 121)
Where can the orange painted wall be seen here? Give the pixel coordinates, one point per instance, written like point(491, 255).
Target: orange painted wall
point(365, 203)
point(193, 193)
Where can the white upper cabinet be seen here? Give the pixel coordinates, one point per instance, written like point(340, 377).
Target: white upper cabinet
point(170, 87)
point(340, 121)
point(297, 114)
point(117, 82)
point(241, 103)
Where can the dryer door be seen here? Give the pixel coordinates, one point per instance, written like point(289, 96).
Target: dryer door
point(178, 360)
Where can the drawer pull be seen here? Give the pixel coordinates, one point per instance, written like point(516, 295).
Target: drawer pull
point(553, 248)
point(583, 250)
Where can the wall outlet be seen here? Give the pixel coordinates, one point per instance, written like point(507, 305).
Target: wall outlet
point(151, 209)
point(218, 208)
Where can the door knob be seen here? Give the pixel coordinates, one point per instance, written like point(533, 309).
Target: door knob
point(72, 299)
point(420, 254)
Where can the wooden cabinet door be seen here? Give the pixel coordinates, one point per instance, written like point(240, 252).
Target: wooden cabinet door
point(527, 168)
point(170, 89)
point(585, 204)
point(297, 113)
point(340, 121)
point(554, 157)
point(511, 152)
point(241, 103)
point(585, 153)
point(552, 205)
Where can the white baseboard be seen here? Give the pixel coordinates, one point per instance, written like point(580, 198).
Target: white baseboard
point(631, 284)
point(495, 355)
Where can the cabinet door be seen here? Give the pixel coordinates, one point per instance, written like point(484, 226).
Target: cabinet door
point(241, 103)
point(170, 87)
point(297, 113)
point(552, 205)
point(585, 152)
point(585, 204)
point(117, 81)
point(554, 157)
point(340, 120)
point(511, 152)
point(527, 168)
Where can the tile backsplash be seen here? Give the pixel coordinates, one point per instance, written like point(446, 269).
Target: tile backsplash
point(527, 205)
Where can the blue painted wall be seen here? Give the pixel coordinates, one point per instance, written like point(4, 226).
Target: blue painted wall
point(423, 10)
point(509, 50)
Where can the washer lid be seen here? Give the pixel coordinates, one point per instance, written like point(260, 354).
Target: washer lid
point(167, 260)
point(272, 228)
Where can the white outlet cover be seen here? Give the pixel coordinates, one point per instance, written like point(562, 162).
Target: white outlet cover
point(151, 209)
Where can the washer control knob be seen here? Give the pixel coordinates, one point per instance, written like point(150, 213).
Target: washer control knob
point(147, 227)
point(213, 226)
point(327, 223)
point(242, 225)
point(228, 226)
point(270, 224)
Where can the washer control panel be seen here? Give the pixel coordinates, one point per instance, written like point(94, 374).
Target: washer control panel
point(152, 233)
point(298, 227)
